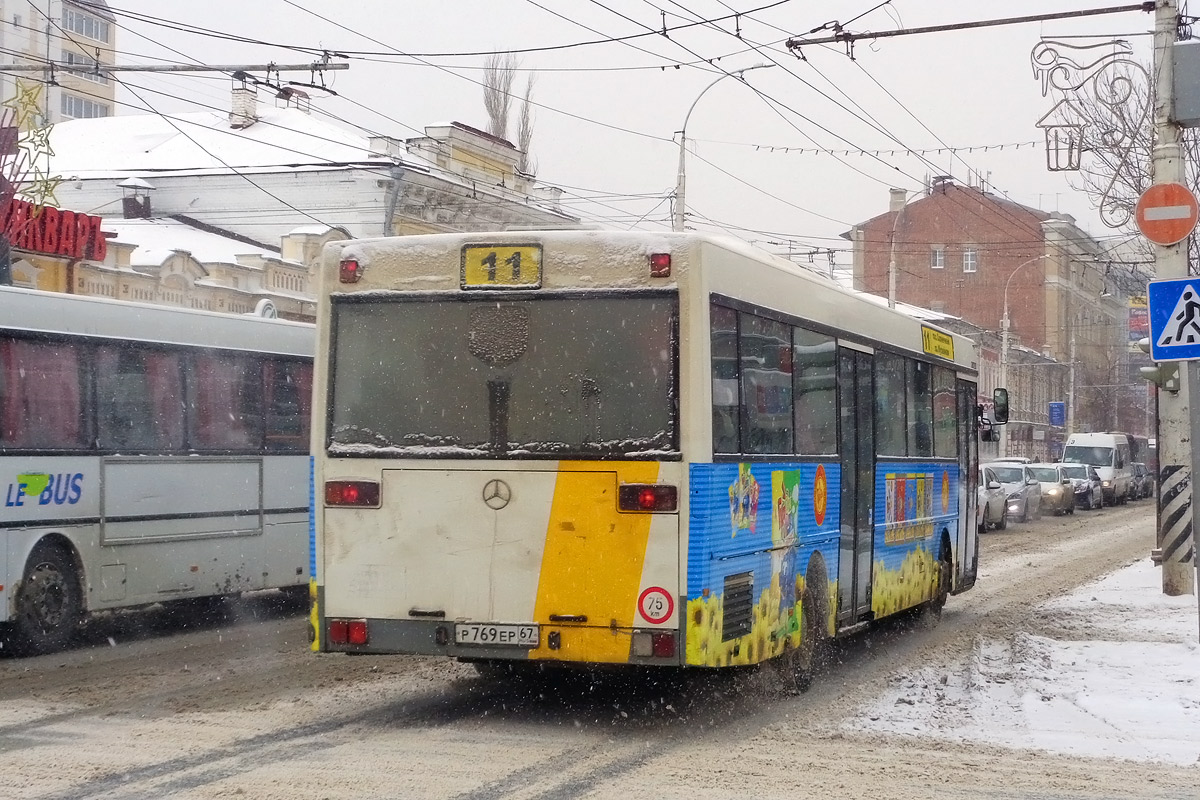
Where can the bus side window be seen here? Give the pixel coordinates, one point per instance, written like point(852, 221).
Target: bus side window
point(814, 363)
point(287, 400)
point(765, 365)
point(139, 399)
point(945, 413)
point(890, 405)
point(40, 396)
point(723, 323)
point(225, 403)
point(920, 408)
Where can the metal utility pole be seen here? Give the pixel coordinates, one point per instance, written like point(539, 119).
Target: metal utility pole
point(1175, 539)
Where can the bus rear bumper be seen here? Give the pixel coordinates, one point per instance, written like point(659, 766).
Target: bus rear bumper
point(572, 644)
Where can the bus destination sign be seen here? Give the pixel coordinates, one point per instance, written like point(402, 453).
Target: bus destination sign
point(510, 266)
point(937, 343)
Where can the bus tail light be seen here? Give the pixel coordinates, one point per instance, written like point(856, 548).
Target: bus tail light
point(654, 644)
point(348, 631)
point(352, 493)
point(660, 265)
point(647, 497)
point(349, 271)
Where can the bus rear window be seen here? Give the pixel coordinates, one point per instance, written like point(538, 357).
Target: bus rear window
point(550, 376)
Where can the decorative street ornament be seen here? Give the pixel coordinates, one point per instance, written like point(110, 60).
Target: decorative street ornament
point(1064, 140)
point(1104, 75)
point(25, 154)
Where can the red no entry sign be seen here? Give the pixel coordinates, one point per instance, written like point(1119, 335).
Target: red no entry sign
point(1166, 213)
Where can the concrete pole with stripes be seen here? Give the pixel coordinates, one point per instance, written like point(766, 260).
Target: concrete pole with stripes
point(1174, 540)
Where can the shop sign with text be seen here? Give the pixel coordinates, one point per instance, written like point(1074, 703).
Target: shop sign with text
point(53, 231)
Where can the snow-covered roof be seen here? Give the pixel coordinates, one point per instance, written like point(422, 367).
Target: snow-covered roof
point(144, 144)
point(157, 239)
point(310, 230)
point(135, 183)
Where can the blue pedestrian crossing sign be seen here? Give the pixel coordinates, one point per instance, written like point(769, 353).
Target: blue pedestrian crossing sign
point(1174, 311)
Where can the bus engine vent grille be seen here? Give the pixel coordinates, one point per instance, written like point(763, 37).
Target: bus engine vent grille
point(739, 605)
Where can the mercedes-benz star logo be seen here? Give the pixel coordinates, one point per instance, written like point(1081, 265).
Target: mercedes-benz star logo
point(496, 494)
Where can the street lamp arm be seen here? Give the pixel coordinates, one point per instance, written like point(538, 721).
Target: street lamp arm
point(681, 177)
point(1004, 343)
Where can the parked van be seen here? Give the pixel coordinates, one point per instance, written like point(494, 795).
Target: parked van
point(1110, 454)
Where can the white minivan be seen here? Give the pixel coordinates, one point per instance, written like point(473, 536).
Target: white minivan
point(1109, 453)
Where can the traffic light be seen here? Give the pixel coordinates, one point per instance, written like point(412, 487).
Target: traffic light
point(1164, 375)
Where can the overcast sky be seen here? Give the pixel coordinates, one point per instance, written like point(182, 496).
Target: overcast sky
point(607, 113)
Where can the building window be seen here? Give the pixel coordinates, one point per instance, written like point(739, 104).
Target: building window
point(85, 24)
point(74, 107)
point(86, 67)
point(970, 259)
point(937, 258)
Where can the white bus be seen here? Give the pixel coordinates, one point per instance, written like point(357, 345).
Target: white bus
point(627, 448)
point(146, 454)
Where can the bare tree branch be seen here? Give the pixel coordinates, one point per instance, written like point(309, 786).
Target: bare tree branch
point(527, 164)
point(498, 73)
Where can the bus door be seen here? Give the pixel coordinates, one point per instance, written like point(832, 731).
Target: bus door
point(968, 470)
point(856, 443)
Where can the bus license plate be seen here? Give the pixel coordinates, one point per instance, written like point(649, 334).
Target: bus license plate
point(496, 635)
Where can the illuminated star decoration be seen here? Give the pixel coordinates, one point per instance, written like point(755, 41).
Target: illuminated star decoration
point(26, 103)
point(37, 184)
point(37, 141)
point(39, 188)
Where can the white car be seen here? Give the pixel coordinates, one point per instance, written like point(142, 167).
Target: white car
point(1024, 491)
point(991, 502)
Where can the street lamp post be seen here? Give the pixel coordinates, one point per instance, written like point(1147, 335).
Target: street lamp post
point(1004, 323)
point(680, 178)
point(892, 255)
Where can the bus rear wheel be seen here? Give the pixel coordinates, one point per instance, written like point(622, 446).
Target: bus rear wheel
point(945, 576)
point(49, 602)
point(802, 663)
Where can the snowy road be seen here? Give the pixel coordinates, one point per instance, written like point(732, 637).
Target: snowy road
point(245, 711)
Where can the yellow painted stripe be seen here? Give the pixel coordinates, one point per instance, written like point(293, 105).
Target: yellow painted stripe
point(592, 564)
point(314, 617)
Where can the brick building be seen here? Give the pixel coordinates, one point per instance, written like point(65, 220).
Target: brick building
point(960, 250)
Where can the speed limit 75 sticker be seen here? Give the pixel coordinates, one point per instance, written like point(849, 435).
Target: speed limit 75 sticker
point(656, 604)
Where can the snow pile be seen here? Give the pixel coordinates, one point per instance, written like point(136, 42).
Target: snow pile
point(1123, 682)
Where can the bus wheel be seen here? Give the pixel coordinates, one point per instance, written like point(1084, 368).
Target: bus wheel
point(945, 576)
point(803, 662)
point(49, 602)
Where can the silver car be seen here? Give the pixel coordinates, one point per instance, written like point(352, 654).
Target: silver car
point(1058, 493)
point(1024, 491)
point(992, 501)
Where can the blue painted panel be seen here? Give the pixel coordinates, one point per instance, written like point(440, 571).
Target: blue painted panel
point(767, 519)
point(741, 512)
point(914, 502)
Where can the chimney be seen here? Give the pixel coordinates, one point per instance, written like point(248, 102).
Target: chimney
point(387, 146)
point(135, 199)
point(550, 195)
point(244, 106)
point(896, 200)
point(940, 183)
